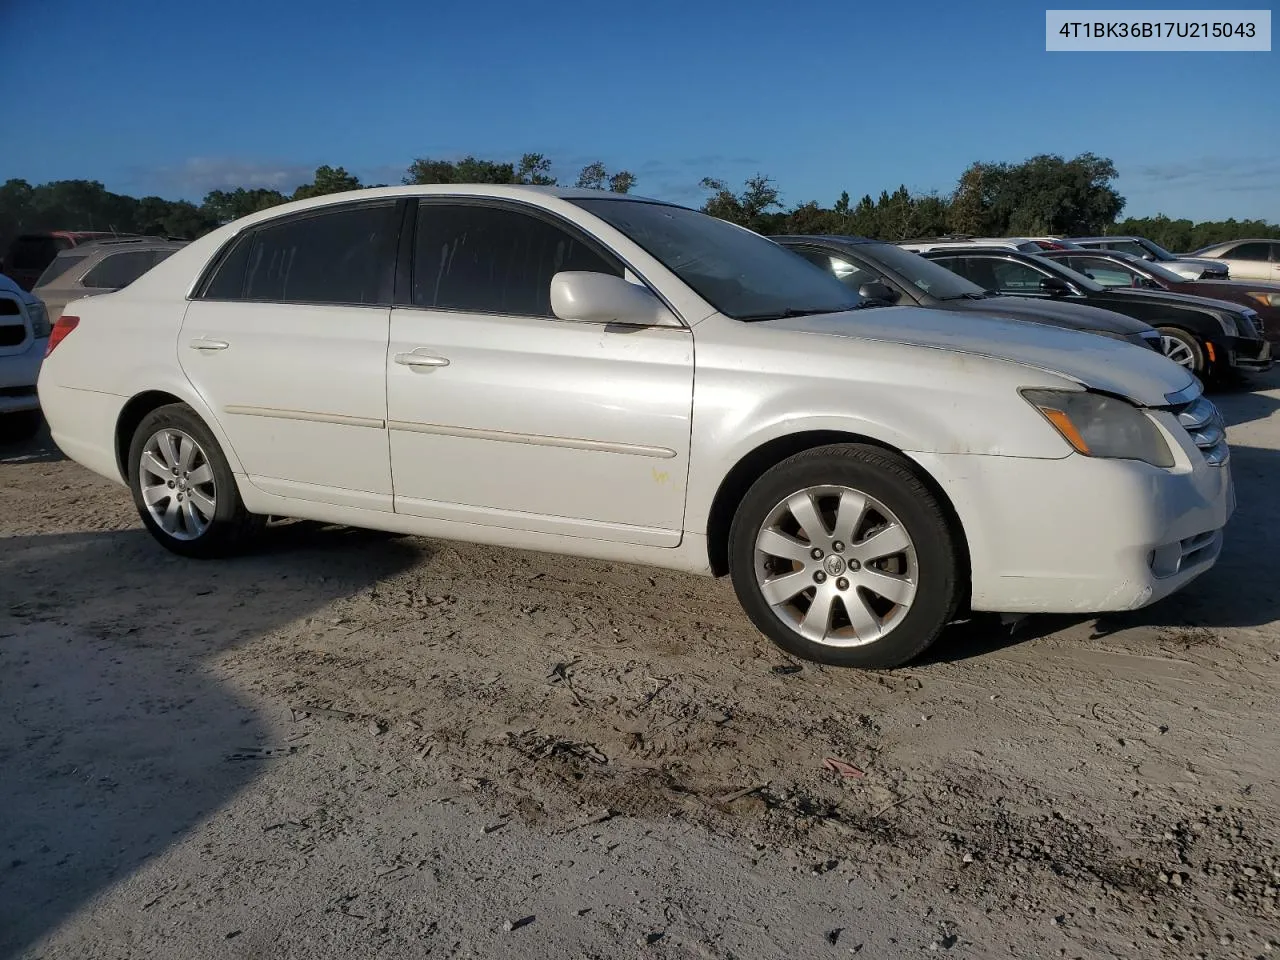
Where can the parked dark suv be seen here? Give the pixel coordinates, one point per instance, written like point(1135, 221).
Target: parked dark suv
point(30, 253)
point(889, 274)
point(1208, 337)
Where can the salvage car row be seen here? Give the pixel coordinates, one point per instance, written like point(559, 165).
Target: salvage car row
point(862, 439)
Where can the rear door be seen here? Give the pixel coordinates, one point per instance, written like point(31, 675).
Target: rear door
point(287, 343)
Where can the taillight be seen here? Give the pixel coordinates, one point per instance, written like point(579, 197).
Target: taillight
point(63, 327)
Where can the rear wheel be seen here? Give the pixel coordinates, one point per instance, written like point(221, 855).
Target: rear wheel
point(1185, 349)
point(183, 487)
point(842, 555)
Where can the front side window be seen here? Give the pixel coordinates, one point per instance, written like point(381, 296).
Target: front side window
point(342, 256)
point(740, 273)
point(118, 270)
point(1016, 278)
point(488, 259)
point(1249, 251)
point(852, 275)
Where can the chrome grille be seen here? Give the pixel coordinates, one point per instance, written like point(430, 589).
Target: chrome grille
point(1207, 429)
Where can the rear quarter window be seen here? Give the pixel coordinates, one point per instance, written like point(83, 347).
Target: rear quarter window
point(119, 269)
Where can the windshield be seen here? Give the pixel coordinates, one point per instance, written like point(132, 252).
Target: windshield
point(1160, 252)
point(1163, 274)
point(738, 272)
point(933, 279)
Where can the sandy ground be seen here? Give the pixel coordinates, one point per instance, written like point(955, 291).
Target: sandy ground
point(349, 745)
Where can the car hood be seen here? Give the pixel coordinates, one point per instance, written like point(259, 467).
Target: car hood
point(1180, 299)
point(1072, 316)
point(1112, 366)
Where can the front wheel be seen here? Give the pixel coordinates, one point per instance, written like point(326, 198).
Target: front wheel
point(843, 556)
point(183, 487)
point(1185, 349)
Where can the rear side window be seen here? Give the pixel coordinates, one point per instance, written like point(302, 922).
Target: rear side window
point(119, 270)
point(1249, 251)
point(485, 259)
point(343, 256)
point(59, 266)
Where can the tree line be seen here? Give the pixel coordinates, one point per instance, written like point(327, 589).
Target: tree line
point(1043, 195)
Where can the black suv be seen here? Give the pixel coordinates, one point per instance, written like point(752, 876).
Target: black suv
point(1208, 337)
point(881, 272)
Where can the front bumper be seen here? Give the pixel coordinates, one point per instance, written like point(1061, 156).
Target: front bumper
point(1084, 535)
point(1252, 355)
point(18, 375)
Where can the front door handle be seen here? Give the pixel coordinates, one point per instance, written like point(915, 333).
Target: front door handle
point(421, 360)
point(204, 343)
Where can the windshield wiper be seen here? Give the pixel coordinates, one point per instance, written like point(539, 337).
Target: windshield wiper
point(985, 295)
point(797, 312)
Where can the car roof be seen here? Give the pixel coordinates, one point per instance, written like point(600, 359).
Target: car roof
point(836, 238)
point(1119, 237)
point(122, 243)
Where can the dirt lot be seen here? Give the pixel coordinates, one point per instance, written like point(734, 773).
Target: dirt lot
point(349, 745)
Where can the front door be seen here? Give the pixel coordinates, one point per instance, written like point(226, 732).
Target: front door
point(287, 343)
point(501, 414)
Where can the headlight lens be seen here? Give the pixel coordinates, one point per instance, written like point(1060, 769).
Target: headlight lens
point(1227, 322)
point(1102, 426)
point(1266, 299)
point(39, 320)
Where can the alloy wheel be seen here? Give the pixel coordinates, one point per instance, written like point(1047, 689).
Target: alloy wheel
point(836, 566)
point(1177, 351)
point(177, 484)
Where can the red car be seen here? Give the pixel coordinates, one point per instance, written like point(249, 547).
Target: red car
point(30, 253)
point(1111, 268)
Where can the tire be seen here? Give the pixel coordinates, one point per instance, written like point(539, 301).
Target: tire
point(19, 427)
point(924, 577)
point(1186, 350)
point(196, 512)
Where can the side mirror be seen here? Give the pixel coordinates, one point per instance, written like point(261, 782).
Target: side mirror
point(604, 298)
point(1054, 286)
point(875, 290)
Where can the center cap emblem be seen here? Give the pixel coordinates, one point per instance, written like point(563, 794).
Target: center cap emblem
point(834, 565)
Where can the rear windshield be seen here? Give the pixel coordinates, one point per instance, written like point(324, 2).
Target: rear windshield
point(31, 253)
point(59, 266)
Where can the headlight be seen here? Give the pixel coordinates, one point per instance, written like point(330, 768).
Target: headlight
point(1102, 426)
point(1267, 299)
point(1227, 322)
point(39, 320)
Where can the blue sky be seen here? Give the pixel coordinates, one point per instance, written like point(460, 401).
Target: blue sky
point(156, 96)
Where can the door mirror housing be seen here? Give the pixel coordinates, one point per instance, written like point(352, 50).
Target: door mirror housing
point(603, 298)
point(1054, 286)
point(876, 290)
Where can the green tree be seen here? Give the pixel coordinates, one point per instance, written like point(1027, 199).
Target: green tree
point(223, 206)
point(535, 169)
point(595, 176)
point(467, 170)
point(327, 180)
point(751, 208)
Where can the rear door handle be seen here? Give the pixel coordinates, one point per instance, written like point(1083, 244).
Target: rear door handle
point(421, 360)
point(204, 343)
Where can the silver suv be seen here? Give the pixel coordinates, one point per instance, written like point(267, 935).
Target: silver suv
point(99, 267)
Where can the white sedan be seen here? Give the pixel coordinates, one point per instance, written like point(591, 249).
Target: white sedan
point(600, 375)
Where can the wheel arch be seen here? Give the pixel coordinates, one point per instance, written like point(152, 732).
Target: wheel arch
point(143, 402)
point(769, 454)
